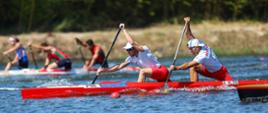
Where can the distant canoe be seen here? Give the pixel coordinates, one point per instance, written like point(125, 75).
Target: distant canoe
point(57, 72)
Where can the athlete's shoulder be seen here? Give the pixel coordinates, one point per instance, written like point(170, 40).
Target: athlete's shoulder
point(128, 59)
point(18, 45)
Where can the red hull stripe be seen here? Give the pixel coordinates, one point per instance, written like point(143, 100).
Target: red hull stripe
point(106, 89)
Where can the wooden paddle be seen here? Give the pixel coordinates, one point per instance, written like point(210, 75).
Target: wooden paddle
point(32, 53)
point(34, 60)
point(165, 87)
point(79, 49)
point(106, 57)
point(9, 58)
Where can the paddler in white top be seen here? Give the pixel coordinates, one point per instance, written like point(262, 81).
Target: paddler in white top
point(205, 61)
point(142, 57)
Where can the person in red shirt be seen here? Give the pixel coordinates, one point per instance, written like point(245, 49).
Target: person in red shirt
point(53, 53)
point(98, 54)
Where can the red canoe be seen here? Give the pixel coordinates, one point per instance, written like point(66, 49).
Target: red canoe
point(126, 88)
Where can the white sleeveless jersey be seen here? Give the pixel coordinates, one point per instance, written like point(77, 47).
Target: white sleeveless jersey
point(207, 57)
point(144, 59)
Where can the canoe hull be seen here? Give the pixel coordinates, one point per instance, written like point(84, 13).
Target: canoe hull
point(253, 93)
point(124, 88)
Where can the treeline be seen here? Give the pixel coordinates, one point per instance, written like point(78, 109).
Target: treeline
point(18, 16)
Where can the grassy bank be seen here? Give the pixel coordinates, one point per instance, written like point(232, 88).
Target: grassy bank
point(237, 38)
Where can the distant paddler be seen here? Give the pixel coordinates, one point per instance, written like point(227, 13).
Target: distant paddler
point(60, 58)
point(205, 61)
point(97, 53)
point(141, 56)
point(21, 56)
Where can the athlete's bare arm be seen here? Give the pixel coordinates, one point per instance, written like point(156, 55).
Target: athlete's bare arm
point(189, 34)
point(114, 68)
point(130, 39)
point(17, 45)
point(184, 66)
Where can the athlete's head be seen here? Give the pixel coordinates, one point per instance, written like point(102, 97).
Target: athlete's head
point(130, 49)
point(13, 40)
point(90, 43)
point(44, 44)
point(195, 46)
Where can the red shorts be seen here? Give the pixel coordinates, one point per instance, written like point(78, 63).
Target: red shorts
point(160, 74)
point(221, 75)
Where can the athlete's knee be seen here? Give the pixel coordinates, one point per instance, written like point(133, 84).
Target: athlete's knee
point(142, 71)
point(197, 68)
point(146, 71)
point(193, 69)
point(13, 62)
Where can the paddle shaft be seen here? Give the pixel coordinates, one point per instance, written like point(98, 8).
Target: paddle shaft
point(9, 58)
point(106, 57)
point(34, 60)
point(79, 49)
point(176, 53)
point(82, 55)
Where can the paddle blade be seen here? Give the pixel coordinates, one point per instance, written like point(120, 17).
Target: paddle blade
point(165, 89)
point(78, 41)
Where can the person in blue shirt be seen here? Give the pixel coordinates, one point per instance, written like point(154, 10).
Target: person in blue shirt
point(21, 56)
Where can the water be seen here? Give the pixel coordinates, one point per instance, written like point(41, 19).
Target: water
point(247, 67)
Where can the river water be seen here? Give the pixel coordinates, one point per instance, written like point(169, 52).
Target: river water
point(242, 67)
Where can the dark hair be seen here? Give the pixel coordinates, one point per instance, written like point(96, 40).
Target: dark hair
point(130, 49)
point(45, 44)
point(15, 38)
point(90, 42)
